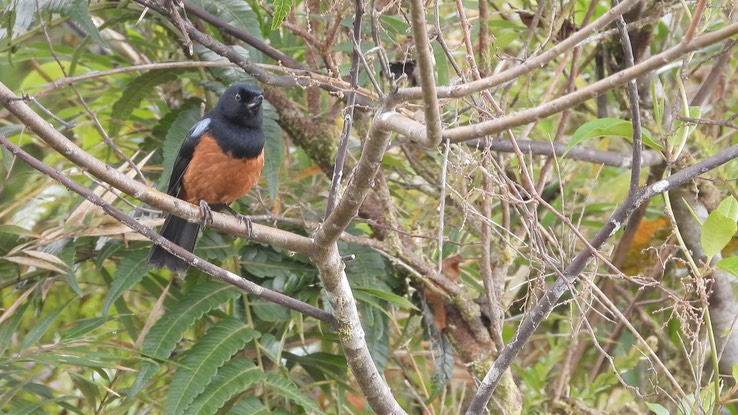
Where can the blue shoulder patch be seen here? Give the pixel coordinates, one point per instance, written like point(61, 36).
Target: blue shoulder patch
point(199, 128)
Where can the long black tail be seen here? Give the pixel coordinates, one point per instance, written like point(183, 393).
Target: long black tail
point(180, 232)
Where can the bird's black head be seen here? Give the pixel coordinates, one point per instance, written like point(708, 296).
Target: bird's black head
point(241, 104)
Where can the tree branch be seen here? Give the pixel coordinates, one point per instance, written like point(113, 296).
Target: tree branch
point(416, 131)
point(176, 250)
point(458, 91)
point(221, 222)
point(548, 301)
point(427, 74)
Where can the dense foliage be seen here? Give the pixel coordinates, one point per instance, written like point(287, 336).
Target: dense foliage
point(452, 248)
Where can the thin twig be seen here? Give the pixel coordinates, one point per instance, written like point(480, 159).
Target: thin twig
point(635, 168)
point(348, 116)
point(427, 77)
point(442, 206)
point(548, 301)
point(458, 91)
point(416, 131)
point(95, 120)
point(250, 39)
point(696, 17)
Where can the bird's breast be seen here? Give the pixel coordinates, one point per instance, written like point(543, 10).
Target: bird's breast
point(218, 177)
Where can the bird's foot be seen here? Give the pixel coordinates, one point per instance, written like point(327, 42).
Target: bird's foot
point(206, 213)
point(243, 219)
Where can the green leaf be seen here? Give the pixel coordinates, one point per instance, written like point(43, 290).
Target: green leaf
point(251, 406)
point(272, 150)
point(10, 327)
point(42, 327)
point(83, 327)
point(232, 378)
point(78, 12)
point(658, 104)
point(285, 388)
point(236, 12)
point(169, 329)
point(441, 66)
point(717, 231)
point(729, 265)
point(268, 311)
point(729, 208)
point(67, 256)
point(135, 92)
point(377, 334)
point(184, 118)
point(131, 269)
point(609, 127)
point(203, 360)
point(281, 8)
point(227, 75)
point(401, 302)
point(89, 389)
point(443, 357)
point(23, 12)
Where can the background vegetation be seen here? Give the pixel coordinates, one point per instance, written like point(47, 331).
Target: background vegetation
point(484, 197)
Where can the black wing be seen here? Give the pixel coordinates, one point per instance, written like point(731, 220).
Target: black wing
point(185, 155)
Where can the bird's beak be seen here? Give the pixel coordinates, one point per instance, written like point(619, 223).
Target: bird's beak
point(255, 102)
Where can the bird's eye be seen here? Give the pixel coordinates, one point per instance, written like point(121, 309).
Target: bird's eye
point(238, 97)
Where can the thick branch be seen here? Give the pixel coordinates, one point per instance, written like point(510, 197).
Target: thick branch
point(548, 301)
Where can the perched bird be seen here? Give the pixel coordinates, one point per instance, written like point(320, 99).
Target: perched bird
point(219, 161)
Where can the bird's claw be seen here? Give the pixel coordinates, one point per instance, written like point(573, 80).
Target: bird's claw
point(206, 213)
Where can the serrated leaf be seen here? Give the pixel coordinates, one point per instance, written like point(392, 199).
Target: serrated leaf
point(42, 327)
point(609, 127)
point(729, 208)
point(281, 9)
point(169, 329)
point(78, 11)
point(22, 12)
point(728, 265)
point(202, 362)
point(285, 388)
point(375, 323)
point(135, 92)
point(717, 231)
point(443, 359)
point(231, 379)
point(131, 269)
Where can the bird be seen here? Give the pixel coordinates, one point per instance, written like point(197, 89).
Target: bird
point(219, 161)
